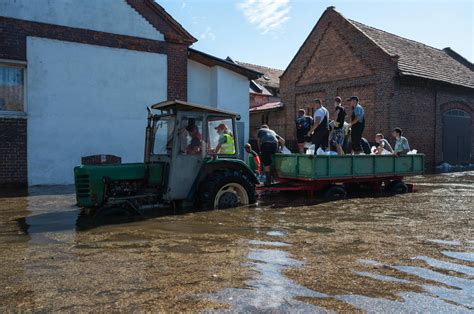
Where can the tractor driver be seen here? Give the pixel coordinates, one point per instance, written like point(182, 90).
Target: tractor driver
point(194, 146)
point(226, 143)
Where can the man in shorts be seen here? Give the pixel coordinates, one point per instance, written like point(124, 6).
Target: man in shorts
point(339, 117)
point(303, 125)
point(268, 142)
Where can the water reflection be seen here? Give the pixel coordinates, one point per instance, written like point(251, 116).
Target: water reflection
point(269, 290)
point(453, 294)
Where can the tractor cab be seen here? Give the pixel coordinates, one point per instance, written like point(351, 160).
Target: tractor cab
point(185, 136)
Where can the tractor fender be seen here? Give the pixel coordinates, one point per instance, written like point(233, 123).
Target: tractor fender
point(220, 165)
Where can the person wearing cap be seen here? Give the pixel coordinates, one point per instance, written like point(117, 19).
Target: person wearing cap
point(268, 142)
point(357, 124)
point(195, 146)
point(226, 143)
point(253, 159)
point(319, 132)
point(339, 118)
point(303, 125)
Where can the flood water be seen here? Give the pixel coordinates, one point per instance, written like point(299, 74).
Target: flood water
point(369, 253)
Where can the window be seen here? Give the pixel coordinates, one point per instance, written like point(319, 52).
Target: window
point(457, 113)
point(221, 137)
point(164, 136)
point(12, 87)
point(190, 136)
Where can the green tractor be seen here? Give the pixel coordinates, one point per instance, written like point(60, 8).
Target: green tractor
point(185, 165)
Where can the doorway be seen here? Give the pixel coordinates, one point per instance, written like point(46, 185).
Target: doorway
point(457, 133)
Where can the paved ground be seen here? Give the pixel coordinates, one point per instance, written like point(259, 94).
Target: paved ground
point(413, 252)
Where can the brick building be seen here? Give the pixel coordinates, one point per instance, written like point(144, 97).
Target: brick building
point(426, 91)
point(76, 77)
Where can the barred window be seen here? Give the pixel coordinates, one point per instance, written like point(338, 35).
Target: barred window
point(12, 87)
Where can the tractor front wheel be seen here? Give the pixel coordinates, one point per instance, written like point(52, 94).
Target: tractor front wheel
point(226, 189)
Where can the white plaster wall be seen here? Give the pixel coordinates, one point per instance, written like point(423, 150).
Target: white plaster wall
point(232, 94)
point(111, 16)
point(199, 83)
point(220, 88)
point(84, 100)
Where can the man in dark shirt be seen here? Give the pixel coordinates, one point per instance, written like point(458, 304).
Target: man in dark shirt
point(303, 125)
point(382, 145)
point(268, 142)
point(357, 124)
point(339, 117)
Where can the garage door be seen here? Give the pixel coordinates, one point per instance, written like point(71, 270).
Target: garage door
point(457, 134)
point(85, 100)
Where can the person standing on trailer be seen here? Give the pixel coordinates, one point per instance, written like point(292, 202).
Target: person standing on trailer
point(268, 142)
point(320, 131)
point(303, 125)
point(339, 117)
point(357, 124)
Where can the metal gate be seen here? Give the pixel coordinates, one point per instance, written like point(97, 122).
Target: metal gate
point(457, 134)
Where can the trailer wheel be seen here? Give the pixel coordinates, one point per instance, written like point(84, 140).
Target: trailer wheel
point(335, 192)
point(398, 187)
point(226, 189)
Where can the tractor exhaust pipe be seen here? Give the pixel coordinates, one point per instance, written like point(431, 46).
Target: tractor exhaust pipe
point(149, 136)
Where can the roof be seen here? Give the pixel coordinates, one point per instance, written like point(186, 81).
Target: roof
point(187, 106)
point(211, 61)
point(157, 16)
point(267, 107)
point(417, 59)
point(256, 88)
point(413, 58)
point(270, 78)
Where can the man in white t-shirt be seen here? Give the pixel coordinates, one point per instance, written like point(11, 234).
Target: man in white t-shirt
point(319, 131)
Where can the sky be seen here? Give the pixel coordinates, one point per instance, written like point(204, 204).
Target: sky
point(270, 32)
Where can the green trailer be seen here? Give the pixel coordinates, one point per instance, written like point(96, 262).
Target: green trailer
point(334, 174)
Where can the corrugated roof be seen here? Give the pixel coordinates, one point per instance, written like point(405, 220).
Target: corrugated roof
point(267, 106)
point(417, 59)
point(270, 78)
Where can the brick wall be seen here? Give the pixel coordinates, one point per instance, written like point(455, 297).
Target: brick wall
point(419, 111)
point(415, 114)
point(337, 60)
point(13, 167)
point(257, 100)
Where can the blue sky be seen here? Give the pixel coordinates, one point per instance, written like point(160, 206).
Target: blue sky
point(269, 32)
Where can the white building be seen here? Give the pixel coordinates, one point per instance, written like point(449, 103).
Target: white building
point(76, 77)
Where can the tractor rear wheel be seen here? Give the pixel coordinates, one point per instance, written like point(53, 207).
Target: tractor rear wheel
point(226, 189)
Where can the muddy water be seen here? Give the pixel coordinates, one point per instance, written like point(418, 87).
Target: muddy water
point(408, 253)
